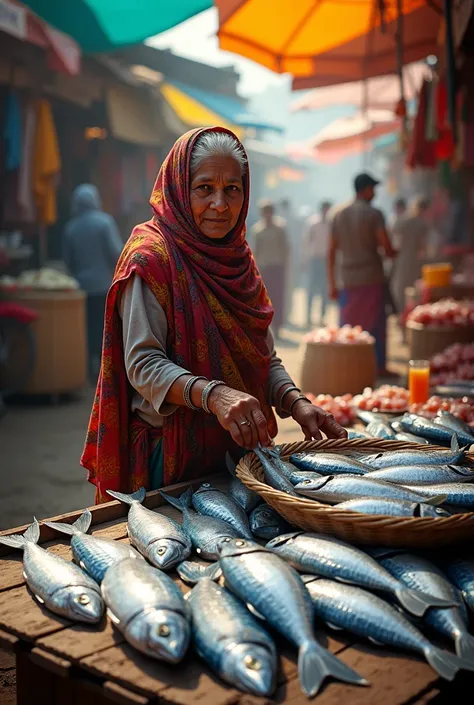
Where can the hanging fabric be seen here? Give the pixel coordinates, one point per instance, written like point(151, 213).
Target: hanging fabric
point(46, 164)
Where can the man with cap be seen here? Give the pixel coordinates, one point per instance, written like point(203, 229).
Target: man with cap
point(359, 240)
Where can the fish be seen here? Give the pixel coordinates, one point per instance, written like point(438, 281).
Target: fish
point(266, 523)
point(205, 533)
point(329, 464)
point(274, 475)
point(411, 438)
point(333, 490)
point(456, 425)
point(59, 585)
point(423, 474)
point(362, 613)
point(369, 416)
point(209, 501)
point(457, 494)
point(332, 558)
point(231, 641)
point(301, 475)
point(243, 495)
point(260, 578)
point(419, 573)
point(160, 539)
point(410, 456)
point(381, 429)
point(357, 435)
point(192, 572)
point(461, 573)
point(94, 554)
point(434, 432)
point(392, 507)
point(455, 389)
point(148, 608)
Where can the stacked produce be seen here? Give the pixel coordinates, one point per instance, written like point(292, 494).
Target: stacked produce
point(385, 398)
point(445, 313)
point(453, 364)
point(340, 407)
point(334, 334)
point(46, 279)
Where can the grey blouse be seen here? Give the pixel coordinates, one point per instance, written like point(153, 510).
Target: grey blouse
point(150, 372)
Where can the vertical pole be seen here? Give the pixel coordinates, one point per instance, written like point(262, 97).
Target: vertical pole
point(450, 66)
point(399, 39)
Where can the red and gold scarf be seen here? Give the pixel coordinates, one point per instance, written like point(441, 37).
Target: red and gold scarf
point(218, 315)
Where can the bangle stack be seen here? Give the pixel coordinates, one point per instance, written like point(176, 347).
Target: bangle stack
point(187, 393)
point(300, 397)
point(287, 390)
point(206, 393)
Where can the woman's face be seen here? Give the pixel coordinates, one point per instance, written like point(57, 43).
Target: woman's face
point(217, 196)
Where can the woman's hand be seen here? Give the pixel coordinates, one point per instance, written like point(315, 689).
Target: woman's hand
point(241, 415)
point(313, 420)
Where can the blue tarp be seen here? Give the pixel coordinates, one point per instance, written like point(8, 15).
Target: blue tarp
point(227, 107)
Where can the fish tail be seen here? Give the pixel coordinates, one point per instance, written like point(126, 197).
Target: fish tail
point(192, 572)
point(80, 526)
point(445, 664)
point(417, 602)
point(32, 534)
point(454, 443)
point(181, 503)
point(465, 647)
point(315, 664)
point(137, 496)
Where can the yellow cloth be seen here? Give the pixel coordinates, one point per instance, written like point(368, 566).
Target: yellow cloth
point(46, 164)
point(193, 113)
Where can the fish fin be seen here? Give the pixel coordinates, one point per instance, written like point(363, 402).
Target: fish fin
point(315, 664)
point(417, 602)
point(115, 620)
point(137, 496)
point(255, 612)
point(230, 464)
point(465, 647)
point(336, 627)
point(182, 502)
point(344, 581)
point(454, 443)
point(445, 664)
point(192, 572)
point(436, 500)
point(32, 534)
point(374, 641)
point(40, 599)
point(80, 526)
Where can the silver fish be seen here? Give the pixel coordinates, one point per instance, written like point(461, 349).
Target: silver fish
point(266, 523)
point(205, 533)
point(301, 475)
point(156, 536)
point(391, 459)
point(421, 574)
point(456, 425)
point(274, 473)
point(329, 464)
point(368, 616)
point(148, 608)
point(456, 494)
point(231, 641)
point(94, 554)
point(411, 438)
point(423, 474)
point(335, 559)
point(209, 501)
point(192, 572)
point(243, 495)
point(274, 589)
point(392, 507)
point(369, 416)
point(434, 432)
point(357, 435)
point(57, 584)
point(380, 429)
point(333, 490)
point(461, 572)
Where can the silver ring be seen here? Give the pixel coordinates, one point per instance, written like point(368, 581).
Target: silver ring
point(245, 423)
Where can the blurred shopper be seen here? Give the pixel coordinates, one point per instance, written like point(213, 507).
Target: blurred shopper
point(272, 252)
point(358, 235)
point(399, 211)
point(92, 246)
point(411, 234)
point(293, 226)
point(314, 254)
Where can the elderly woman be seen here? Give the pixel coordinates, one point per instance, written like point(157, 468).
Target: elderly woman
point(189, 369)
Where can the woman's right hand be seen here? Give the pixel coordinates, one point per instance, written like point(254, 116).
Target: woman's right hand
point(231, 408)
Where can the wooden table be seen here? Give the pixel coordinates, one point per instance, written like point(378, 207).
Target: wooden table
point(61, 663)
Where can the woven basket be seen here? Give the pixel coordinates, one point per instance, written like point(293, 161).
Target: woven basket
point(426, 341)
point(336, 368)
point(419, 532)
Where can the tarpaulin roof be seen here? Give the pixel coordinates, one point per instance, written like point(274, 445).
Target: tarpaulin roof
point(103, 25)
point(190, 111)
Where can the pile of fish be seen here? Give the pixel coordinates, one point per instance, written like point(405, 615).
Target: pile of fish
point(249, 593)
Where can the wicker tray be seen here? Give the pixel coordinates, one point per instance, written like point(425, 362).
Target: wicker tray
point(420, 532)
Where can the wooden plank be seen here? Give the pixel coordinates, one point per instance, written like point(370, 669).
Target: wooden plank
point(8, 642)
point(22, 616)
point(80, 640)
point(59, 666)
point(122, 696)
point(33, 683)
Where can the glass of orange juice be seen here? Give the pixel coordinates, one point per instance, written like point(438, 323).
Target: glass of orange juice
point(419, 381)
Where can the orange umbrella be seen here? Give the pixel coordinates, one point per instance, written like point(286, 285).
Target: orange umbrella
point(329, 41)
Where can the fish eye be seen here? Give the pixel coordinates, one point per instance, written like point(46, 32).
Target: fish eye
point(252, 663)
point(306, 482)
point(240, 543)
point(163, 630)
point(83, 599)
point(206, 484)
point(161, 551)
point(226, 540)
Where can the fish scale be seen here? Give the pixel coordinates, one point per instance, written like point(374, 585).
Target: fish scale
point(329, 463)
point(379, 461)
point(461, 572)
point(423, 474)
point(213, 503)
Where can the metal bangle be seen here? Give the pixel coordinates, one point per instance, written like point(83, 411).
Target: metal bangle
point(206, 392)
point(297, 399)
point(288, 389)
point(187, 393)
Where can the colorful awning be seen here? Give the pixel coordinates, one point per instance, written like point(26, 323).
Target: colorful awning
point(191, 112)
